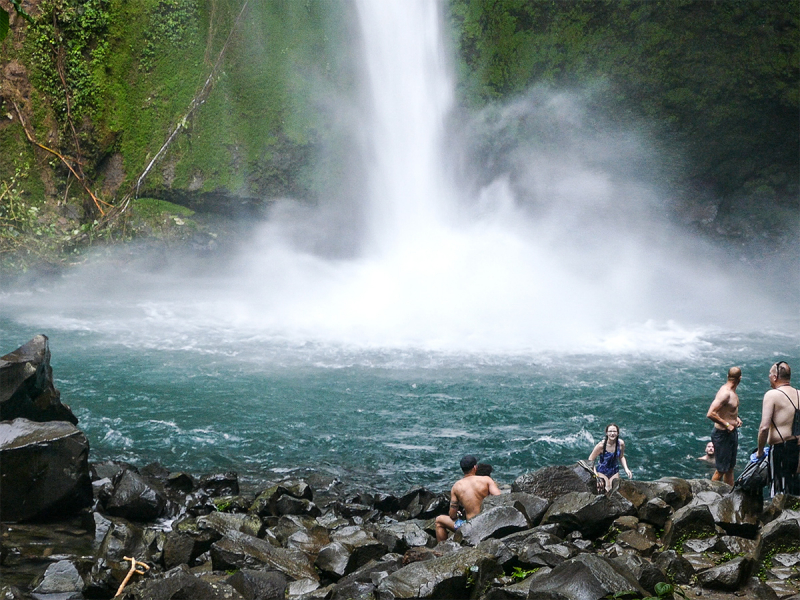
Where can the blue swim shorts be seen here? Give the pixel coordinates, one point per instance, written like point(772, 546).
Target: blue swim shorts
point(459, 523)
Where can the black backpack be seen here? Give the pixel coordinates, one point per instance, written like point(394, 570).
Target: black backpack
point(755, 477)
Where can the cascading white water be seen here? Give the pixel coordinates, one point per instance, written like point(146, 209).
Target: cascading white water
point(410, 95)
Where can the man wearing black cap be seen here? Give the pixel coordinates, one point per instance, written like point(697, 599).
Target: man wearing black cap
point(467, 493)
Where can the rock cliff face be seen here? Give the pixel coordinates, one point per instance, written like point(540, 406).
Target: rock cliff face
point(26, 385)
point(44, 458)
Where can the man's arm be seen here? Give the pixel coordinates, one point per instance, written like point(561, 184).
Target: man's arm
point(767, 408)
point(718, 404)
point(493, 489)
point(453, 512)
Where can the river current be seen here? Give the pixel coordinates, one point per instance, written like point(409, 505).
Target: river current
point(391, 418)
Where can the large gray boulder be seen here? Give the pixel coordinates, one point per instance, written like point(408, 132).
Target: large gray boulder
point(180, 583)
point(26, 385)
point(693, 521)
point(551, 482)
point(587, 513)
point(241, 551)
point(497, 522)
point(728, 576)
point(135, 498)
point(533, 507)
point(737, 513)
point(457, 575)
point(44, 470)
point(585, 577)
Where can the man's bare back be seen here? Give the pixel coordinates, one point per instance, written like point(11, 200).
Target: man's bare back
point(470, 491)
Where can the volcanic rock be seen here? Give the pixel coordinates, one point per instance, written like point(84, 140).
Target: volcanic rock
point(44, 470)
point(26, 385)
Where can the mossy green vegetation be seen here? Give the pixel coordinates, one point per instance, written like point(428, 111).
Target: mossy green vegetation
point(718, 79)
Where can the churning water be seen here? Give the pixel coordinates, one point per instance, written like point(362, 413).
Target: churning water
point(509, 308)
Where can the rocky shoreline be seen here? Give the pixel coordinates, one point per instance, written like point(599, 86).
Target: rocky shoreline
point(70, 528)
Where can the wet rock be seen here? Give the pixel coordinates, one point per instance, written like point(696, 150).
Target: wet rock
point(450, 576)
point(223, 523)
point(675, 567)
point(44, 470)
point(289, 505)
point(551, 482)
point(635, 541)
point(737, 513)
point(241, 551)
point(109, 469)
point(645, 572)
point(701, 545)
point(232, 504)
point(656, 512)
point(363, 582)
point(266, 503)
point(387, 503)
point(533, 507)
point(180, 482)
point(727, 544)
point(515, 591)
point(496, 522)
point(26, 385)
point(729, 576)
point(135, 499)
point(587, 513)
point(61, 577)
point(689, 522)
point(309, 541)
point(777, 536)
point(259, 585)
point(220, 484)
point(585, 577)
point(399, 537)
point(180, 583)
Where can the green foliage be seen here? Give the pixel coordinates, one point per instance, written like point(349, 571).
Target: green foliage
point(662, 590)
point(66, 45)
point(719, 78)
point(173, 24)
point(518, 574)
point(4, 18)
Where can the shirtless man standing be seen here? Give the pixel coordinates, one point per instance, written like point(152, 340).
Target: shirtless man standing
point(724, 411)
point(468, 492)
point(777, 418)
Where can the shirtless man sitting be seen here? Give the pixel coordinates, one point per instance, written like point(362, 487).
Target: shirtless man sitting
point(776, 429)
point(468, 493)
point(724, 411)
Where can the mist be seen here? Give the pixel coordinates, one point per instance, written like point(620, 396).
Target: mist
point(527, 227)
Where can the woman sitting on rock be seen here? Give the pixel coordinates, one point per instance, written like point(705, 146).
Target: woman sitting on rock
point(610, 454)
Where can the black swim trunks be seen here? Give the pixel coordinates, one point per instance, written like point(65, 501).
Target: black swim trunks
point(784, 459)
point(726, 445)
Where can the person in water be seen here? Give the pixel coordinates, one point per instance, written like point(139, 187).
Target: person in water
point(708, 457)
point(780, 428)
point(484, 470)
point(610, 454)
point(466, 498)
point(724, 412)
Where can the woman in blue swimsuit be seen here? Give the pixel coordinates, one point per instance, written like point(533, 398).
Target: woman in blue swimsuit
point(610, 454)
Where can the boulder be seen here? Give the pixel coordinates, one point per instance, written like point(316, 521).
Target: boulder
point(259, 585)
point(44, 470)
point(222, 523)
point(135, 499)
point(266, 503)
point(454, 575)
point(777, 536)
point(656, 512)
point(737, 513)
point(676, 568)
point(399, 537)
point(179, 583)
point(689, 522)
point(61, 577)
point(646, 573)
point(587, 513)
point(729, 576)
point(533, 507)
point(220, 484)
point(635, 541)
point(241, 551)
point(551, 482)
point(585, 577)
point(26, 385)
point(496, 522)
